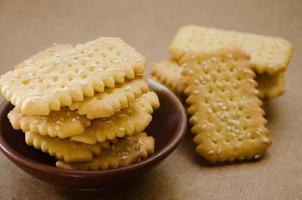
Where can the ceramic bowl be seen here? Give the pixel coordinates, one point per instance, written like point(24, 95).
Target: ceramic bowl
point(167, 127)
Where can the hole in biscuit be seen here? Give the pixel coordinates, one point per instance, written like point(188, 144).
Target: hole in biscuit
point(239, 78)
point(55, 78)
point(248, 117)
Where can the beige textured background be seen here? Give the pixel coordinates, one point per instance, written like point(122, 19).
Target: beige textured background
point(29, 26)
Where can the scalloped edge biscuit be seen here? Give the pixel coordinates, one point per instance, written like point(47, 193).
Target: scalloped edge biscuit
point(128, 121)
point(269, 55)
point(110, 101)
point(53, 50)
point(64, 149)
point(122, 152)
point(168, 72)
point(62, 124)
point(40, 87)
point(227, 117)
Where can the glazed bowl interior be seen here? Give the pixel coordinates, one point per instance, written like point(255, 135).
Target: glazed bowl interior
point(167, 127)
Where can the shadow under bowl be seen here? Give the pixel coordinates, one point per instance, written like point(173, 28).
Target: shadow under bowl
point(167, 127)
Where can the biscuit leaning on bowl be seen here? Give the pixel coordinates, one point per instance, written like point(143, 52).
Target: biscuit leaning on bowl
point(168, 72)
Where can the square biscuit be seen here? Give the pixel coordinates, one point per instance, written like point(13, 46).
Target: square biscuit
point(269, 55)
point(227, 117)
point(168, 72)
point(40, 87)
point(133, 119)
point(112, 100)
point(122, 152)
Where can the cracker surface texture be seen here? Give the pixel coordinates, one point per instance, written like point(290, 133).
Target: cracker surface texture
point(227, 118)
point(128, 121)
point(122, 152)
point(269, 55)
point(40, 87)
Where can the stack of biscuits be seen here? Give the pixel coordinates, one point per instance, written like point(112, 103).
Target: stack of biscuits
point(224, 76)
point(87, 105)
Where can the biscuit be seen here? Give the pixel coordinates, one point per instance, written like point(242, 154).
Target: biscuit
point(269, 55)
point(122, 152)
point(128, 121)
point(168, 72)
point(53, 50)
point(62, 124)
point(112, 100)
point(270, 86)
point(40, 87)
point(227, 118)
point(63, 149)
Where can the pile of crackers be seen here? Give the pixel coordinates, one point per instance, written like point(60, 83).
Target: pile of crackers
point(224, 76)
point(87, 106)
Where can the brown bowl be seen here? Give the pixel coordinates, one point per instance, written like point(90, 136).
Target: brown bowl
point(167, 127)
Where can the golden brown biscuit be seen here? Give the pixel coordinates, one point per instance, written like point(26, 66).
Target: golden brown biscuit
point(227, 117)
point(122, 152)
point(269, 55)
point(40, 87)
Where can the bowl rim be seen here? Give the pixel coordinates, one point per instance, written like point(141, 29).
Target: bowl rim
point(18, 158)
